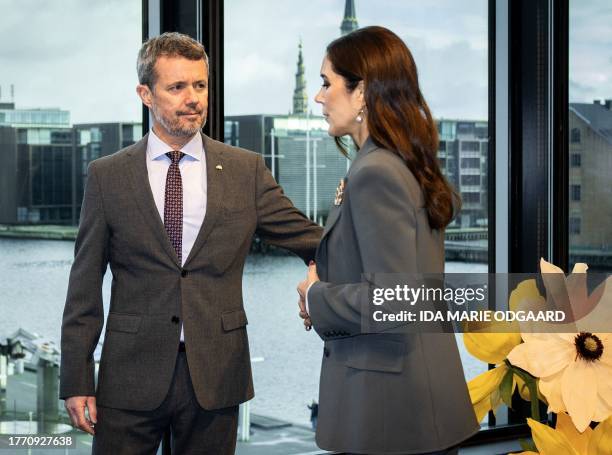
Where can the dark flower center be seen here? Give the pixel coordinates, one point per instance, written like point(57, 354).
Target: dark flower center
point(588, 346)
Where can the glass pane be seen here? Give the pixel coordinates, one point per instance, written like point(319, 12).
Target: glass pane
point(66, 95)
point(590, 134)
point(270, 84)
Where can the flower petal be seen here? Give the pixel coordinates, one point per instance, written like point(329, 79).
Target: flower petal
point(579, 441)
point(602, 410)
point(547, 267)
point(601, 440)
point(542, 358)
point(549, 441)
point(606, 355)
point(604, 381)
point(491, 347)
point(556, 290)
point(580, 267)
point(577, 290)
point(550, 387)
point(525, 290)
point(579, 391)
point(481, 388)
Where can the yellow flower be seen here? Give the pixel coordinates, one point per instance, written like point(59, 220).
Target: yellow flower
point(566, 440)
point(484, 391)
point(491, 342)
point(574, 368)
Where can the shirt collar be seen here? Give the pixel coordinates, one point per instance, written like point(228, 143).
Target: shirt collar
point(156, 147)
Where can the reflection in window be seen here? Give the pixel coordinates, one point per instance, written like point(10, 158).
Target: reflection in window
point(574, 225)
point(575, 192)
point(590, 135)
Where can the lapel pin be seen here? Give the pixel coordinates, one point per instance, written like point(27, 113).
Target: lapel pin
point(219, 167)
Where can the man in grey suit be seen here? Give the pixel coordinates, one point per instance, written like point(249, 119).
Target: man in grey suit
point(173, 215)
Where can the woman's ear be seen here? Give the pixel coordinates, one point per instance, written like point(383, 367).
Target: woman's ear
point(360, 94)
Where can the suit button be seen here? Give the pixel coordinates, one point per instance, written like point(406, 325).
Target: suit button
point(175, 319)
point(326, 352)
point(183, 273)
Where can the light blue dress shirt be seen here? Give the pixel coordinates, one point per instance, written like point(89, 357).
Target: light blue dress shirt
point(193, 175)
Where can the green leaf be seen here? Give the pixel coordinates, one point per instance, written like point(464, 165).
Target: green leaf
point(505, 388)
point(528, 445)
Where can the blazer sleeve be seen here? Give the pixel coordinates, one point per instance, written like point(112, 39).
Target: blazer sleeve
point(84, 310)
point(384, 221)
point(279, 222)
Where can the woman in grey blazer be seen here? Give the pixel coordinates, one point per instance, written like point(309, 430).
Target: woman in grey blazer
point(382, 393)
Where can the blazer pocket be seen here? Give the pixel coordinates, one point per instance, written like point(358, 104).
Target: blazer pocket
point(120, 322)
point(371, 352)
point(233, 320)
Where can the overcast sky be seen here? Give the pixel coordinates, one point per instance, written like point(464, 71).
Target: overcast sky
point(80, 55)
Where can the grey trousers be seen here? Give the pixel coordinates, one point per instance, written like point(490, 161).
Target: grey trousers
point(194, 430)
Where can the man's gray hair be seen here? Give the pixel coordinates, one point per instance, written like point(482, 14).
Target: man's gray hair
point(169, 44)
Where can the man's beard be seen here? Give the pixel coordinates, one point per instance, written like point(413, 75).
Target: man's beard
point(173, 125)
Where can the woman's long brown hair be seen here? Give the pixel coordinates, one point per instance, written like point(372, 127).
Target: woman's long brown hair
point(398, 116)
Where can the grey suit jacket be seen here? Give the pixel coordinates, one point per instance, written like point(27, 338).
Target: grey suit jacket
point(152, 294)
point(384, 392)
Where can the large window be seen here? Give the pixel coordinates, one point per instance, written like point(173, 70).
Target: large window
point(67, 96)
point(590, 134)
point(270, 83)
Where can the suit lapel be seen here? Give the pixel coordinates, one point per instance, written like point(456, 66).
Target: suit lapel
point(334, 215)
point(336, 210)
point(213, 153)
point(141, 189)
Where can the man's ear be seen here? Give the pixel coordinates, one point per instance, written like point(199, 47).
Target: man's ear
point(145, 94)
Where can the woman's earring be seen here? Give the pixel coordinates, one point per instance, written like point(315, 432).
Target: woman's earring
point(360, 116)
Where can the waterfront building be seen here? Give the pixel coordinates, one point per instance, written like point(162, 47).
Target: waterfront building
point(45, 161)
point(590, 177)
point(463, 153)
point(37, 154)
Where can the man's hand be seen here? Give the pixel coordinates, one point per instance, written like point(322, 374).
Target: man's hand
point(76, 410)
point(302, 289)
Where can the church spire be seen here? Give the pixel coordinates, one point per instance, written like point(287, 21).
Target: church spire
point(300, 97)
point(349, 23)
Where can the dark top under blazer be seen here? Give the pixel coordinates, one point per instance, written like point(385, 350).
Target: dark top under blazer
point(152, 294)
point(383, 393)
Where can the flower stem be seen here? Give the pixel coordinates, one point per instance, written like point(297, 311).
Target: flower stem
point(530, 382)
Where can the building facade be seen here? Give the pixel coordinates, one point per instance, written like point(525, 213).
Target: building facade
point(590, 176)
point(45, 161)
point(303, 158)
point(463, 158)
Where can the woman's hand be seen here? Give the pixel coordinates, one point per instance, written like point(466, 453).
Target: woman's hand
point(302, 289)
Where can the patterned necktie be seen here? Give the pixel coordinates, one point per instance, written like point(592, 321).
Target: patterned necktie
point(173, 203)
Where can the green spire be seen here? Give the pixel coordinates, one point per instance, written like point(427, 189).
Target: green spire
point(300, 97)
point(349, 23)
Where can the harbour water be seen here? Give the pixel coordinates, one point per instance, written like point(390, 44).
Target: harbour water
point(34, 279)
